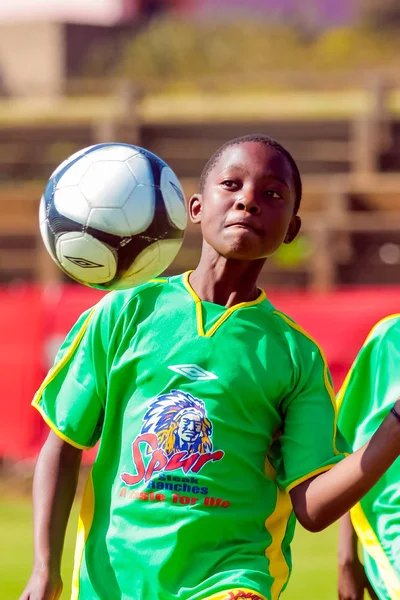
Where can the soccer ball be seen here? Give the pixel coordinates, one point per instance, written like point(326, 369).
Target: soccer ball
point(113, 216)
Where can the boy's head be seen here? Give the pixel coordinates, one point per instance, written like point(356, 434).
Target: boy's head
point(250, 193)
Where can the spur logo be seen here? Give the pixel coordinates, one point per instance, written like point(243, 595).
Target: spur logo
point(176, 434)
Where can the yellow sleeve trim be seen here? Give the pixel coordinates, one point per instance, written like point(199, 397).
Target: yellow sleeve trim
point(59, 433)
point(343, 389)
point(51, 375)
point(378, 324)
point(327, 383)
point(309, 476)
point(65, 359)
point(371, 544)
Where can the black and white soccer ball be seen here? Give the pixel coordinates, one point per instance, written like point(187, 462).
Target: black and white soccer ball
point(113, 216)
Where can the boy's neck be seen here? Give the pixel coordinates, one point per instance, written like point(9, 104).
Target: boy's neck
point(226, 282)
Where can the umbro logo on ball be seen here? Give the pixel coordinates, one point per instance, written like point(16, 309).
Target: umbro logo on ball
point(193, 372)
point(83, 262)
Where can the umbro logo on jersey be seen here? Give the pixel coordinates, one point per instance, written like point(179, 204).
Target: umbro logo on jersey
point(83, 262)
point(193, 372)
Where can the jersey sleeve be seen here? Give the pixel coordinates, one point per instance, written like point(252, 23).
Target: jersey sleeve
point(71, 398)
point(309, 442)
point(372, 385)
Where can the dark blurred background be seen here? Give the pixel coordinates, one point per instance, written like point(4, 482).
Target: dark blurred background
point(180, 77)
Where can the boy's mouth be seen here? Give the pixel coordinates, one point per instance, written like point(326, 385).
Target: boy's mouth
point(245, 225)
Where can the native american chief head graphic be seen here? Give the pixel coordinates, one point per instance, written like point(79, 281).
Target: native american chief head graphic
point(180, 422)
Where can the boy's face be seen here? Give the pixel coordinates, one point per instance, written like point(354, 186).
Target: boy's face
point(246, 208)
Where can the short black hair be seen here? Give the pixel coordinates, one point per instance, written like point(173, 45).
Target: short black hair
point(262, 139)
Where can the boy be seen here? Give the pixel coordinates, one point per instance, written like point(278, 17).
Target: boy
point(215, 414)
point(369, 390)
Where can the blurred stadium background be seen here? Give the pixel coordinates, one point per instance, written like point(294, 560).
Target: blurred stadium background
point(180, 77)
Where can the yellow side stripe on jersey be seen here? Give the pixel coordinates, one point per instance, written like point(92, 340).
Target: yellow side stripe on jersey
point(371, 545)
point(276, 525)
point(345, 383)
point(222, 318)
point(328, 385)
point(269, 469)
point(64, 360)
point(84, 525)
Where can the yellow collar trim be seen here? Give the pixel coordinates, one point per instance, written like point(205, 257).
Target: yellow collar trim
point(224, 317)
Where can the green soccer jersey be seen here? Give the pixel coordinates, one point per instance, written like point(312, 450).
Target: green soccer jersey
point(206, 417)
point(369, 391)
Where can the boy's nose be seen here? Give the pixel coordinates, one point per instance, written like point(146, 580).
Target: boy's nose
point(249, 204)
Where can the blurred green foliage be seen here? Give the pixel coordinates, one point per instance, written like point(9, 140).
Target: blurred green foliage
point(290, 256)
point(170, 50)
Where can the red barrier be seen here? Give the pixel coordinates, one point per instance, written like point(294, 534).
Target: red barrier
point(34, 321)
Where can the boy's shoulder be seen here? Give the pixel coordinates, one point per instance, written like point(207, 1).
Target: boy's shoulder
point(291, 329)
point(118, 301)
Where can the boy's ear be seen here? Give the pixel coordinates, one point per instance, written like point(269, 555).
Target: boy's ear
point(293, 230)
point(195, 206)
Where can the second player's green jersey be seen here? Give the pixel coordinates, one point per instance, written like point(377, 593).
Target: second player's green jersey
point(369, 391)
point(206, 417)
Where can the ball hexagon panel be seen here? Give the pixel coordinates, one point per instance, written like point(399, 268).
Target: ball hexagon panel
point(152, 261)
point(174, 198)
point(139, 208)
point(85, 258)
point(74, 174)
point(141, 169)
point(109, 220)
point(168, 251)
point(107, 185)
point(71, 203)
point(113, 152)
point(143, 268)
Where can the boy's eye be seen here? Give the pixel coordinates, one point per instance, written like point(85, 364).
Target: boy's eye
point(273, 194)
point(229, 184)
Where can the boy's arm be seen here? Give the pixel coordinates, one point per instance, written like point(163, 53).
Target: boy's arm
point(321, 500)
point(54, 487)
point(352, 579)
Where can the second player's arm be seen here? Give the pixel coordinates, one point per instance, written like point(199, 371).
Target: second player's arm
point(54, 487)
point(323, 499)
